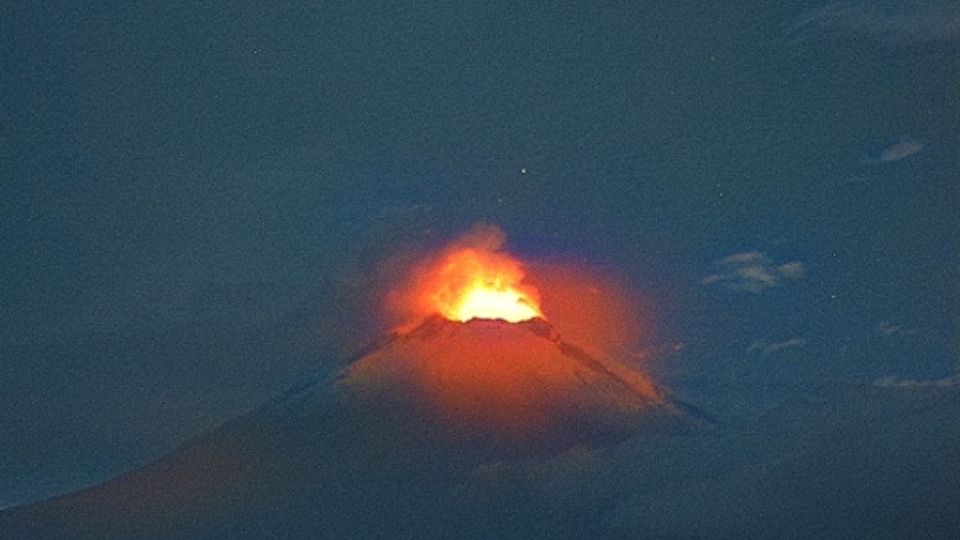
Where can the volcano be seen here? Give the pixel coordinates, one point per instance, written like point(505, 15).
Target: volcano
point(394, 444)
point(515, 387)
point(386, 447)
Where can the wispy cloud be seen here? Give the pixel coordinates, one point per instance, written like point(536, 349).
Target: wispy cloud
point(912, 384)
point(897, 23)
point(888, 329)
point(905, 148)
point(752, 271)
point(770, 348)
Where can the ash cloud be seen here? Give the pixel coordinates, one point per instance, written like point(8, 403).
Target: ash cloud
point(483, 237)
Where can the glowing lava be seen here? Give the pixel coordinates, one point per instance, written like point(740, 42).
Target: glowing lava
point(474, 352)
point(476, 284)
point(484, 302)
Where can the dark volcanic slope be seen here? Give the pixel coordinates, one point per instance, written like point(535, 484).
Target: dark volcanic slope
point(383, 449)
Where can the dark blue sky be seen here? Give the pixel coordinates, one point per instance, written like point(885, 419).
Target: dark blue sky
point(184, 185)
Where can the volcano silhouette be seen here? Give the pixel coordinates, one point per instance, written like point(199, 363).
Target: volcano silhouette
point(387, 447)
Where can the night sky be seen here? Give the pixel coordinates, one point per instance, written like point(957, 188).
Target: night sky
point(196, 200)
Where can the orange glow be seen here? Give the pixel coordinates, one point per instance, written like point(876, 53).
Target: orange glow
point(506, 380)
point(474, 278)
point(472, 344)
point(475, 285)
point(470, 279)
point(595, 309)
point(483, 302)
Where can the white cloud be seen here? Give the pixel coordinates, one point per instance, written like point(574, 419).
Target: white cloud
point(752, 271)
point(912, 384)
point(770, 348)
point(901, 150)
point(905, 148)
point(898, 24)
point(792, 270)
